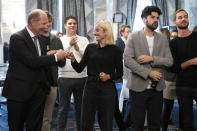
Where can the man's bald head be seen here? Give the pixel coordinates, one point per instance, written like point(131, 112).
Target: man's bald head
point(35, 15)
point(37, 21)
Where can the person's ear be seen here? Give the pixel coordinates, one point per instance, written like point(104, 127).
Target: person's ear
point(144, 20)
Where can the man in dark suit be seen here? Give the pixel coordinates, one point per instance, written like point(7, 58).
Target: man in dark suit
point(124, 32)
point(26, 85)
point(120, 42)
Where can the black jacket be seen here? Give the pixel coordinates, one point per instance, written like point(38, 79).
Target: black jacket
point(120, 43)
point(27, 70)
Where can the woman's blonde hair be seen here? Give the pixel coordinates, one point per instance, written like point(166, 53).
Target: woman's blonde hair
point(106, 26)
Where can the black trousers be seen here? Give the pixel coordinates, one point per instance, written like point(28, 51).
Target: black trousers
point(67, 86)
point(98, 97)
point(149, 101)
point(186, 95)
point(117, 115)
point(28, 113)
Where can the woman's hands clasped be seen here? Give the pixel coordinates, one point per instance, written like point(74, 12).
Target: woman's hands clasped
point(104, 77)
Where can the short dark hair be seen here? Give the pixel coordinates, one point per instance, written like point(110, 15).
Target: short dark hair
point(148, 11)
point(6, 44)
point(33, 16)
point(49, 15)
point(59, 33)
point(70, 17)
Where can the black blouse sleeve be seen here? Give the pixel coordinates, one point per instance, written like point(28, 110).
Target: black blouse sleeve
point(83, 63)
point(118, 65)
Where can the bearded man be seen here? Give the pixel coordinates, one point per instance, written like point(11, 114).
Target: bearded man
point(184, 53)
point(147, 54)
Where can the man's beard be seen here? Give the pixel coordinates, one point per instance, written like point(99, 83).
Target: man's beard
point(183, 27)
point(151, 27)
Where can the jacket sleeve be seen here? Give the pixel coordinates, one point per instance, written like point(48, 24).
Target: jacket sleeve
point(58, 42)
point(165, 60)
point(130, 59)
point(20, 49)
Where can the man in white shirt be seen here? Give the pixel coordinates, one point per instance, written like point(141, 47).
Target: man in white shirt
point(69, 80)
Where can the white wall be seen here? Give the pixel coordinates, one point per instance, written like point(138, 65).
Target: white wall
point(13, 17)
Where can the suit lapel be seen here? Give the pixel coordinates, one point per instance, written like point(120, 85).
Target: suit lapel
point(155, 44)
point(42, 46)
point(122, 44)
point(30, 42)
point(144, 41)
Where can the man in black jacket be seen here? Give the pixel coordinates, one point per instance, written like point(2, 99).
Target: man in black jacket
point(184, 53)
point(120, 42)
point(26, 84)
point(124, 32)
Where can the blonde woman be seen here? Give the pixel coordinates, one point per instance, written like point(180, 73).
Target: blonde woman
point(104, 65)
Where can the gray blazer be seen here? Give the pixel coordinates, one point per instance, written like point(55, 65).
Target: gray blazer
point(137, 45)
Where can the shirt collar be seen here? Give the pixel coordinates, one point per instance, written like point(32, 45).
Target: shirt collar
point(123, 39)
point(30, 32)
point(99, 47)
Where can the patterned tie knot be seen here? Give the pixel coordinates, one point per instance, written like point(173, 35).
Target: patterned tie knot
point(35, 38)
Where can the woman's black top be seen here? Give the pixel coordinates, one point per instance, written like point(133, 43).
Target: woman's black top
point(107, 59)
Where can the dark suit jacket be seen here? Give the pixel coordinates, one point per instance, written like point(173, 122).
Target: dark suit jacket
point(120, 43)
point(26, 71)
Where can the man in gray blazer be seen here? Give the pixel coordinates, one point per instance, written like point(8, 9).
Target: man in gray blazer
point(147, 54)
